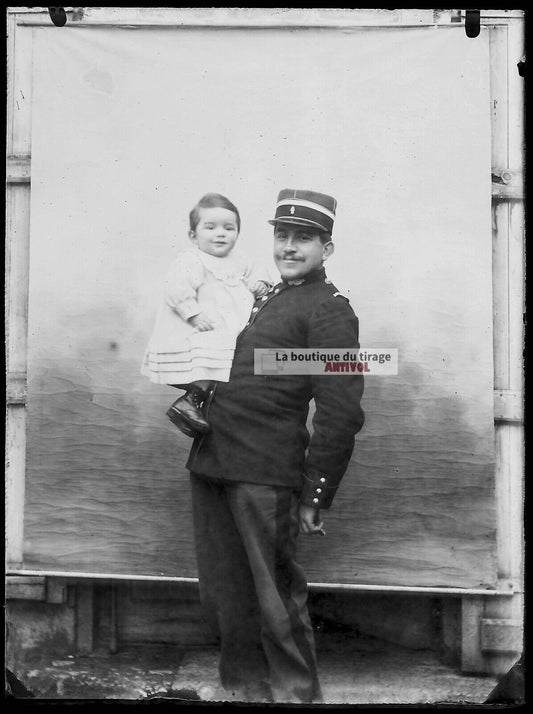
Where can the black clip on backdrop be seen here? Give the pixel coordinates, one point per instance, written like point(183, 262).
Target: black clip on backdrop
point(58, 16)
point(472, 23)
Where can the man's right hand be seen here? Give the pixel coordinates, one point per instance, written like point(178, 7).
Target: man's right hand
point(309, 520)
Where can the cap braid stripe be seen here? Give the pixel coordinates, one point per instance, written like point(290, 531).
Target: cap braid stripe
point(307, 204)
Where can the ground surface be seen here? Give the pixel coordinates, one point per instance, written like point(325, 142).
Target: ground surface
point(353, 670)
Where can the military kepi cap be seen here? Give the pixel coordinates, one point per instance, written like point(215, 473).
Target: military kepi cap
point(305, 208)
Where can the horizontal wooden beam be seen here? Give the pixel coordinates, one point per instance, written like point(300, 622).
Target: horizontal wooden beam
point(238, 17)
point(507, 192)
point(260, 17)
point(36, 587)
point(407, 589)
point(22, 587)
point(337, 587)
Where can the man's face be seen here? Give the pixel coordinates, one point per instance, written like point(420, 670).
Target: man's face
point(298, 250)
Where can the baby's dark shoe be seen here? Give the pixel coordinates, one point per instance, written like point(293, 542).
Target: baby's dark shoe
point(189, 408)
point(177, 419)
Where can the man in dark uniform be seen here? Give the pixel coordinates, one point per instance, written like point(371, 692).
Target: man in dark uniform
point(258, 478)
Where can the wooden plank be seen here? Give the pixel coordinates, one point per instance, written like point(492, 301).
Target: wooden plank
point(17, 262)
point(18, 143)
point(507, 192)
point(511, 609)
point(168, 16)
point(450, 623)
point(247, 17)
point(507, 48)
point(506, 588)
point(10, 79)
point(501, 635)
point(516, 34)
point(502, 14)
point(404, 620)
point(84, 618)
point(113, 618)
point(25, 588)
point(262, 16)
point(56, 591)
point(516, 556)
point(507, 97)
point(500, 158)
point(17, 267)
point(471, 655)
point(516, 253)
point(157, 612)
point(26, 11)
point(515, 455)
point(15, 484)
point(505, 541)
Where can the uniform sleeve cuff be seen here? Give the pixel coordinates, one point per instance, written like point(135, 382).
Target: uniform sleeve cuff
point(315, 491)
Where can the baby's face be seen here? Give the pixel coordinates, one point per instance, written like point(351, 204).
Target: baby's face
point(216, 232)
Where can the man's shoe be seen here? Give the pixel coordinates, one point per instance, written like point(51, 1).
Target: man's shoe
point(189, 407)
point(176, 418)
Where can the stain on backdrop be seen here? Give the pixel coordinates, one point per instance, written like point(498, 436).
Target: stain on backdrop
point(130, 128)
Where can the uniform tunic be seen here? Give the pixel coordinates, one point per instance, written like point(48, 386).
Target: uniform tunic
point(177, 352)
point(249, 474)
point(258, 422)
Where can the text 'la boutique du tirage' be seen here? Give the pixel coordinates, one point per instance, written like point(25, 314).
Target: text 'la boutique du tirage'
point(382, 361)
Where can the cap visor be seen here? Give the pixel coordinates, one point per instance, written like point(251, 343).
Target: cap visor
point(298, 222)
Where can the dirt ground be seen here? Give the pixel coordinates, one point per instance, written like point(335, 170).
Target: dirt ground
point(353, 670)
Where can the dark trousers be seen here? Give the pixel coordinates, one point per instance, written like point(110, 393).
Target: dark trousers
point(252, 588)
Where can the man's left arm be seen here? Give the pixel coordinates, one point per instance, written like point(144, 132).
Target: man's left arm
point(338, 416)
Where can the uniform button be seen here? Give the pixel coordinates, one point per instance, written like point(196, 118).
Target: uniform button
point(265, 297)
point(276, 291)
point(315, 500)
point(322, 480)
point(255, 309)
point(319, 490)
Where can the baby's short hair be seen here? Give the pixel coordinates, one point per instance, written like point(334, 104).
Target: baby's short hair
point(212, 200)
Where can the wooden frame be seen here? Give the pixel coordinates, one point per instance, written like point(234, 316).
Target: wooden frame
point(506, 30)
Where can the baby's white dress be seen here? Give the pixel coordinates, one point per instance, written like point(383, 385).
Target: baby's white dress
point(177, 353)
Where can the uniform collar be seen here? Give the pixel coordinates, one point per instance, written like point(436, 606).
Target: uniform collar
point(313, 277)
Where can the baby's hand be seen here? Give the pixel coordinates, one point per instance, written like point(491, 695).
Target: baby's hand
point(260, 288)
point(202, 322)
